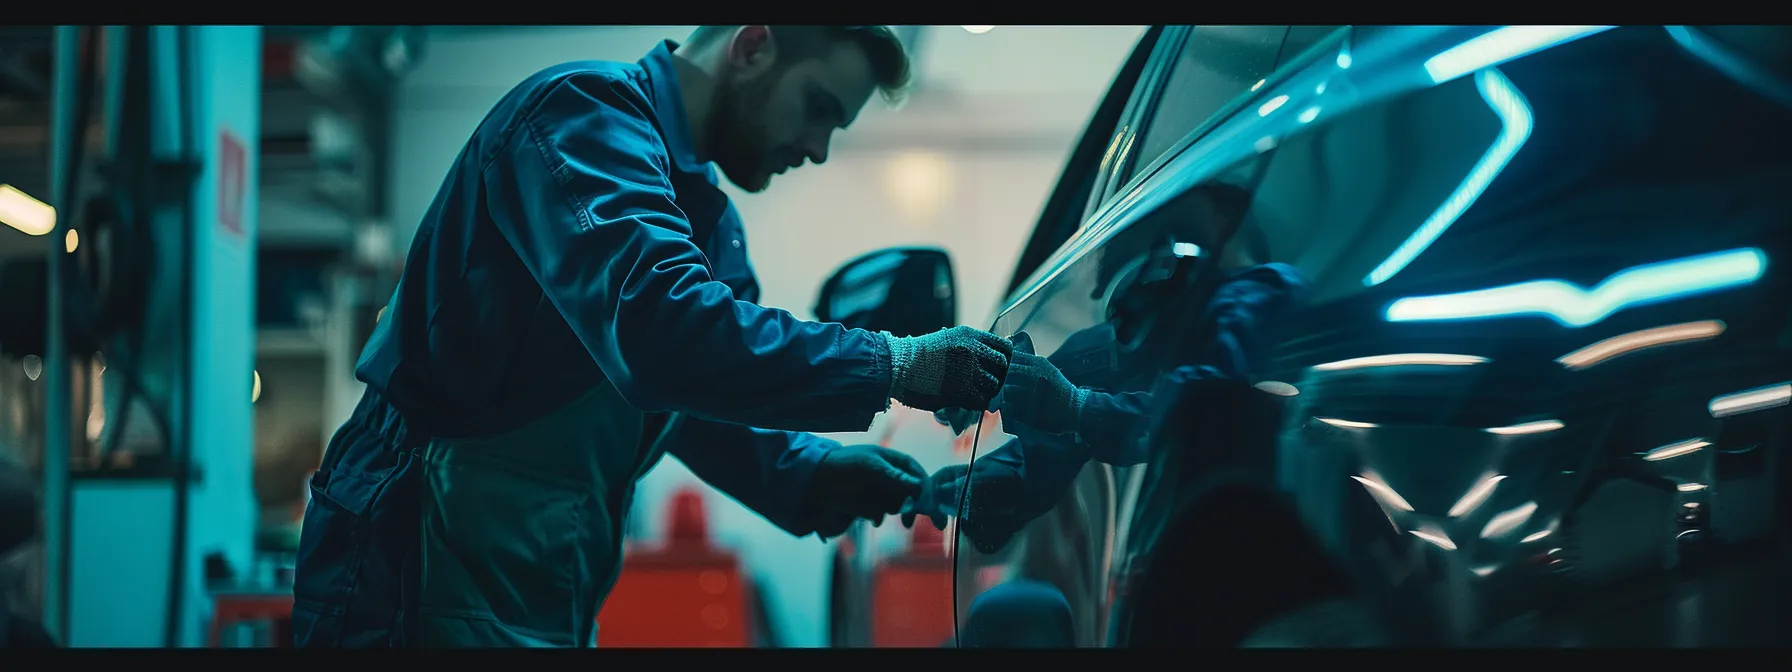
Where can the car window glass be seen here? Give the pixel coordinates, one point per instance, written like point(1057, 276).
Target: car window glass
point(1531, 185)
point(1326, 210)
point(1111, 323)
point(1302, 38)
point(1218, 64)
point(1065, 209)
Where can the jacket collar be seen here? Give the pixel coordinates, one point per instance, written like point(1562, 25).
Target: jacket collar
point(669, 110)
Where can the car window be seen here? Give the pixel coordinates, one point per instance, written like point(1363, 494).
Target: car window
point(1064, 211)
point(1612, 200)
point(1302, 38)
point(1218, 64)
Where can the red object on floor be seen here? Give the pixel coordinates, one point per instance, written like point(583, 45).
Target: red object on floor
point(683, 593)
point(229, 609)
point(911, 594)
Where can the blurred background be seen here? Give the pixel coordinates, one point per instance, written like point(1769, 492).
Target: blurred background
point(353, 129)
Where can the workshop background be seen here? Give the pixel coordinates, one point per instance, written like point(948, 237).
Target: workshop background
point(356, 129)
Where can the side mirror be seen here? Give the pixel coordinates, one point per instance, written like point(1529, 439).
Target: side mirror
point(907, 291)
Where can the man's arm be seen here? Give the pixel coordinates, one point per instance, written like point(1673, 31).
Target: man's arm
point(768, 471)
point(580, 189)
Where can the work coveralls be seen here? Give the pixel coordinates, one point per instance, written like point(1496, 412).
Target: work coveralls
point(576, 301)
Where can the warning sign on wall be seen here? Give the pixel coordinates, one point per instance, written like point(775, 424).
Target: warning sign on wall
point(232, 169)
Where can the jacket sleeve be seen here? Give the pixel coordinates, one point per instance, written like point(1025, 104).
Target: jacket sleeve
point(767, 471)
point(1047, 468)
point(1237, 315)
point(580, 188)
point(1112, 425)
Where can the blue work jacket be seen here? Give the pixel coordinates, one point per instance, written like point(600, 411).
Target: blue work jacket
point(576, 241)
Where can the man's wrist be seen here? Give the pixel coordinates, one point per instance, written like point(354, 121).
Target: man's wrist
point(1079, 408)
point(902, 358)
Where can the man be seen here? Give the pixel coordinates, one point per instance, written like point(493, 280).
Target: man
point(578, 300)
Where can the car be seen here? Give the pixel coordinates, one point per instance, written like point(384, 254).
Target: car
point(1528, 387)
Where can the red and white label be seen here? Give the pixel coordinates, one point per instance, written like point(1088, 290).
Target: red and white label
point(232, 170)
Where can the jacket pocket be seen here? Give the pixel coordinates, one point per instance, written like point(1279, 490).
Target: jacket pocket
point(501, 546)
point(329, 560)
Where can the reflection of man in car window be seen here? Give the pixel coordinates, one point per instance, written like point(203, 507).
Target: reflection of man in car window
point(1061, 424)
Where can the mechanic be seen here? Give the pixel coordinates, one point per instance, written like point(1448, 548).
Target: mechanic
point(576, 301)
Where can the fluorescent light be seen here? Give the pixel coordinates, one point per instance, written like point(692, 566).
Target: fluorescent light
point(1515, 128)
point(1277, 388)
point(1643, 339)
point(1674, 450)
point(977, 30)
point(1475, 496)
point(1537, 427)
point(1438, 539)
point(1573, 306)
point(1347, 424)
point(29, 215)
point(1508, 521)
point(1274, 104)
point(1499, 46)
point(1382, 492)
point(1760, 398)
point(1403, 359)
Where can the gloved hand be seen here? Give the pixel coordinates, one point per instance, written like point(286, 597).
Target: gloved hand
point(995, 513)
point(960, 419)
point(959, 367)
point(867, 482)
point(1037, 396)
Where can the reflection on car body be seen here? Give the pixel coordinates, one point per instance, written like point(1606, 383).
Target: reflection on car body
point(1543, 360)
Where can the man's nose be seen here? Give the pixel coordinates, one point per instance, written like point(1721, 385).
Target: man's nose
point(817, 149)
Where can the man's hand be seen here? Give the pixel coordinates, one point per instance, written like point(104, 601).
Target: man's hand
point(862, 482)
point(995, 512)
point(1037, 396)
point(959, 367)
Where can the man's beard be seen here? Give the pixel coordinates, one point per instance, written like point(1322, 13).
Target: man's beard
point(737, 132)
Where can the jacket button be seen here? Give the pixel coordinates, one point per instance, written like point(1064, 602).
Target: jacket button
point(736, 243)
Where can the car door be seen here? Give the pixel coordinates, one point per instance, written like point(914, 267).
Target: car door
point(1538, 355)
point(1198, 73)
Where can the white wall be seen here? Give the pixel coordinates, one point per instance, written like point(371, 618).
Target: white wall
point(982, 140)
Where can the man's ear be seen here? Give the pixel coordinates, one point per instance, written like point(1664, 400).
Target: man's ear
point(752, 50)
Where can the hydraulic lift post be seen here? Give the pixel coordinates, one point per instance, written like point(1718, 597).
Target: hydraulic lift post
point(126, 553)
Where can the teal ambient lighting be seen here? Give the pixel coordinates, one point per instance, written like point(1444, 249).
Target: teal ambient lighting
point(1499, 46)
point(1575, 307)
point(1515, 128)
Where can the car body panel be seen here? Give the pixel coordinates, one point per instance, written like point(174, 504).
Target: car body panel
point(1566, 246)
